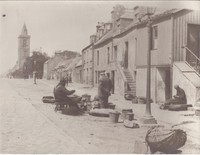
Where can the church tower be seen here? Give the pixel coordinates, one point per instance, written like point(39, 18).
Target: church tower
point(23, 46)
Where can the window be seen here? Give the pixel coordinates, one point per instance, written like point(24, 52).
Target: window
point(97, 58)
point(115, 52)
point(154, 37)
point(108, 55)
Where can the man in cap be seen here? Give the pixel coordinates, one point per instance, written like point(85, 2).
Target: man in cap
point(61, 94)
point(104, 88)
point(179, 98)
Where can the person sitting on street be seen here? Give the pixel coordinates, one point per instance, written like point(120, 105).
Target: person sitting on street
point(179, 98)
point(61, 95)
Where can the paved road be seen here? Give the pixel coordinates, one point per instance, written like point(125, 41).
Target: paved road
point(30, 126)
point(25, 130)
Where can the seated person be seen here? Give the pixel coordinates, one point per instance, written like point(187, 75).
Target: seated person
point(61, 95)
point(179, 98)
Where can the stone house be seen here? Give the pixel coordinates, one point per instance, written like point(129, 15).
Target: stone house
point(49, 65)
point(77, 72)
point(87, 62)
point(122, 52)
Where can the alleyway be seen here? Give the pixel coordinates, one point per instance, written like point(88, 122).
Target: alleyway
point(30, 126)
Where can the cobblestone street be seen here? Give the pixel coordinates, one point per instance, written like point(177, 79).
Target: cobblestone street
point(30, 126)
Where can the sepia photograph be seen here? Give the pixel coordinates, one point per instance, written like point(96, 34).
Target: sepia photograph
point(99, 77)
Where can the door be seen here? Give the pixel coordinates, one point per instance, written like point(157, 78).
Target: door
point(193, 43)
point(113, 81)
point(126, 55)
point(163, 84)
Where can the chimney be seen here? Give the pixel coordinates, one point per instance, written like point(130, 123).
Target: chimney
point(107, 27)
point(93, 38)
point(117, 11)
point(100, 30)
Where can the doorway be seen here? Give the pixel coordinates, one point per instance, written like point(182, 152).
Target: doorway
point(163, 84)
point(113, 81)
point(193, 43)
point(126, 56)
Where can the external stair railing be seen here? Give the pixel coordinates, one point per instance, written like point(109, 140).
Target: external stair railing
point(195, 62)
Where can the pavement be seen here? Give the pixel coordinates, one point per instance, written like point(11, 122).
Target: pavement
point(41, 130)
point(163, 117)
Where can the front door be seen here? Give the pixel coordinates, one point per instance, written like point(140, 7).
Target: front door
point(126, 55)
point(113, 81)
point(193, 43)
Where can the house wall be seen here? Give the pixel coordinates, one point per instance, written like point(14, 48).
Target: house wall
point(161, 55)
point(108, 67)
point(77, 74)
point(87, 65)
point(131, 38)
point(51, 64)
point(180, 25)
point(192, 93)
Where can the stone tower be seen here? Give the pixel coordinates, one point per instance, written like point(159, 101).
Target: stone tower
point(23, 46)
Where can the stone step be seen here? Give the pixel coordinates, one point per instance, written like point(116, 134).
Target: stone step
point(131, 83)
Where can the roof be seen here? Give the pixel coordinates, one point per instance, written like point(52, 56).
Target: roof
point(155, 17)
point(108, 35)
point(63, 63)
point(115, 31)
point(73, 63)
point(79, 63)
point(87, 47)
point(128, 15)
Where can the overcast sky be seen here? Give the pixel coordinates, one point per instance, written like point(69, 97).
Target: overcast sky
point(63, 25)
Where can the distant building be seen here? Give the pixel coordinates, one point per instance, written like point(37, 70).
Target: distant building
point(87, 62)
point(23, 47)
point(77, 72)
point(51, 66)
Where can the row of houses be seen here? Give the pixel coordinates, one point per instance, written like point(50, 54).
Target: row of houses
point(120, 45)
point(120, 48)
point(63, 64)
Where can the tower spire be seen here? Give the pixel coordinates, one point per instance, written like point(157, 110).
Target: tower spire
point(24, 30)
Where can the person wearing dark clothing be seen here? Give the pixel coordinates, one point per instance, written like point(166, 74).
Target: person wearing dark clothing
point(104, 88)
point(67, 80)
point(61, 94)
point(179, 98)
point(180, 95)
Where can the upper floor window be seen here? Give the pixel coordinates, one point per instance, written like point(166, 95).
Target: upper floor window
point(97, 58)
point(154, 37)
point(115, 52)
point(108, 55)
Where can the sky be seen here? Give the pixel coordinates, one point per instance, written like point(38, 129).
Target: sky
point(59, 25)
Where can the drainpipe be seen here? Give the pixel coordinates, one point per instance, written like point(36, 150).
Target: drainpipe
point(172, 56)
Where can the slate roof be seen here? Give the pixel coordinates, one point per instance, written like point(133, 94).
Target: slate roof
point(79, 63)
point(73, 63)
point(63, 63)
point(115, 31)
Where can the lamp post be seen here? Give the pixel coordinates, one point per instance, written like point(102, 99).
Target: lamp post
point(34, 72)
point(148, 118)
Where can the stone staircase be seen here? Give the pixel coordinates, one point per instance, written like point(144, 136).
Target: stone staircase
point(131, 84)
point(187, 78)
